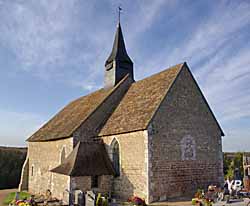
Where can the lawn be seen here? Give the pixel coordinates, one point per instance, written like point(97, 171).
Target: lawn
point(8, 199)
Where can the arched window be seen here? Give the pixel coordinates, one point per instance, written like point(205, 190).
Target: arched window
point(32, 170)
point(62, 155)
point(116, 156)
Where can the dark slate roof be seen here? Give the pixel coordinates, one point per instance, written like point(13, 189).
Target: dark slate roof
point(119, 52)
point(140, 103)
point(86, 159)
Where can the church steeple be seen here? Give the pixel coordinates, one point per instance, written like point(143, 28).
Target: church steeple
point(118, 64)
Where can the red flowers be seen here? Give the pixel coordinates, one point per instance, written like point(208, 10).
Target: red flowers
point(137, 201)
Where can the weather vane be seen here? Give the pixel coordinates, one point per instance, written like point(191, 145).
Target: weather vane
point(119, 13)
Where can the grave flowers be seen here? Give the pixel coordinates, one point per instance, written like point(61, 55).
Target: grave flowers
point(137, 201)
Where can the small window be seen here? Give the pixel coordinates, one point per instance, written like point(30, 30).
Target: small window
point(32, 170)
point(94, 182)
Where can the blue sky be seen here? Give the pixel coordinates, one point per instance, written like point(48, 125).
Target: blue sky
point(52, 52)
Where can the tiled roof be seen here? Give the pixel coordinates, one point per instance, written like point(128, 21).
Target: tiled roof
point(86, 159)
point(140, 103)
point(134, 112)
point(70, 118)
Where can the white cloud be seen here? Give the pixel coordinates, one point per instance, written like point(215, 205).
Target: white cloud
point(218, 53)
point(69, 41)
point(52, 39)
point(40, 33)
point(225, 72)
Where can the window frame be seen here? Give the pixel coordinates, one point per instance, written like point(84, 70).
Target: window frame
point(116, 157)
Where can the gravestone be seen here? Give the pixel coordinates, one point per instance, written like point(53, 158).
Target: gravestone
point(79, 198)
point(71, 197)
point(90, 198)
point(17, 196)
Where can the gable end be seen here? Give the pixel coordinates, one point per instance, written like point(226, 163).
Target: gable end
point(185, 66)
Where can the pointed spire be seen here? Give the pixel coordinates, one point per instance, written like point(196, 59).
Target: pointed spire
point(119, 14)
point(118, 64)
point(119, 52)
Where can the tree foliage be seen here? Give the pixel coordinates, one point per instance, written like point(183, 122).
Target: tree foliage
point(232, 163)
point(11, 161)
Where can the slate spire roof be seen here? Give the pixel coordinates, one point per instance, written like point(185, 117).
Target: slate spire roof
point(118, 64)
point(119, 52)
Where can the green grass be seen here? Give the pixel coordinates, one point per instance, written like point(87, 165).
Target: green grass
point(11, 197)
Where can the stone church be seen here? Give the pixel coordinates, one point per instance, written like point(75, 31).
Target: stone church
point(156, 138)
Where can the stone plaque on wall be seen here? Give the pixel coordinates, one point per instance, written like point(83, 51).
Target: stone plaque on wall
point(188, 148)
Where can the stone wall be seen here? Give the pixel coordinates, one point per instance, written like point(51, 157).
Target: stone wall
point(185, 150)
point(84, 184)
point(44, 156)
point(133, 164)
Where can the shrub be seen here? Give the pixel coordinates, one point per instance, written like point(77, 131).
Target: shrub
point(11, 162)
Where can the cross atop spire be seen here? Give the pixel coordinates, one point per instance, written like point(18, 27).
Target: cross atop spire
point(119, 13)
point(118, 64)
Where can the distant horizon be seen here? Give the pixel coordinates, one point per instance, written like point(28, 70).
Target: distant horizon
point(25, 147)
point(53, 52)
point(17, 147)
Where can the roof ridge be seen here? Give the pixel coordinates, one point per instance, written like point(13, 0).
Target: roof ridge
point(106, 95)
point(98, 106)
point(165, 70)
point(166, 77)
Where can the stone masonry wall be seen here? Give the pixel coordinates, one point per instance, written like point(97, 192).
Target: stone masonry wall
point(84, 183)
point(185, 151)
point(133, 164)
point(44, 156)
